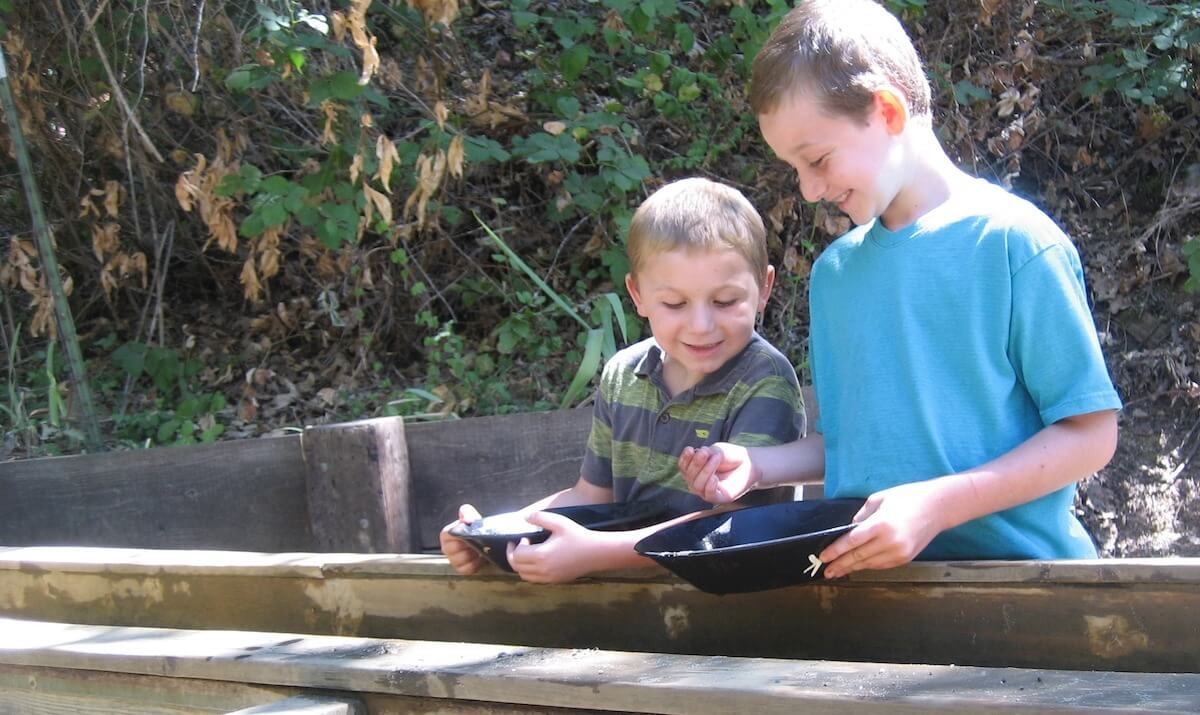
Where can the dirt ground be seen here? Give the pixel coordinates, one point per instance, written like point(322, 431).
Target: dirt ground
point(1145, 503)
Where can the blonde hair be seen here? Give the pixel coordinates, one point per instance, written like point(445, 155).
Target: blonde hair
point(698, 214)
point(845, 51)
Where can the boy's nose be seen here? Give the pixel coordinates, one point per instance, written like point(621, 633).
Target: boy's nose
point(812, 188)
point(700, 320)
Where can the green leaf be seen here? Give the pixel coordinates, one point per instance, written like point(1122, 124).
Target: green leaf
point(524, 20)
point(967, 92)
point(240, 79)
point(573, 61)
point(167, 430)
point(567, 106)
point(615, 301)
point(684, 37)
point(689, 92)
point(131, 358)
point(588, 367)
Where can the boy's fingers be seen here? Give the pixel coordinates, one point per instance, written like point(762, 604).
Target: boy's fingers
point(468, 514)
point(846, 543)
point(548, 520)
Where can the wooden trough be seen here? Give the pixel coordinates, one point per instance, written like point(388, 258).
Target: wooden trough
point(293, 575)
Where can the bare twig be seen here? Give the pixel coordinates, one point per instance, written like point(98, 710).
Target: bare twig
point(116, 86)
point(196, 47)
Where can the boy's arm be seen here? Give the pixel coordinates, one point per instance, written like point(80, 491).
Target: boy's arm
point(898, 523)
point(573, 551)
point(723, 472)
point(466, 560)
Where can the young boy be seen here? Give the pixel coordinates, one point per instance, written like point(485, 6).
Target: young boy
point(957, 372)
point(699, 274)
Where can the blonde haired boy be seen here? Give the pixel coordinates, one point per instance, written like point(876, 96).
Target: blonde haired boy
point(699, 274)
point(960, 383)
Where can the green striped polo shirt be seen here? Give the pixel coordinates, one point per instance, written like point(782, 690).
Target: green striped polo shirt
point(639, 430)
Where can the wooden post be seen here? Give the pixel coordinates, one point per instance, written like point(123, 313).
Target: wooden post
point(357, 478)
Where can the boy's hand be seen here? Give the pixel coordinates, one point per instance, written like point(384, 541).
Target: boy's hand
point(462, 556)
point(565, 556)
point(718, 473)
point(894, 526)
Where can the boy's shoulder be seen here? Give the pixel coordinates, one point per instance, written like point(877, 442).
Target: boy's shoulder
point(977, 211)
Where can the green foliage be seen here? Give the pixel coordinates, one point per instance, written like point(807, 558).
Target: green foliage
point(599, 342)
point(1191, 251)
point(182, 415)
point(1151, 56)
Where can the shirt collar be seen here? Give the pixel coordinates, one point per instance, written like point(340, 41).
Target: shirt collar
point(650, 367)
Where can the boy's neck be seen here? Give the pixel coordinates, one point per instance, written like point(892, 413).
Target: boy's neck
point(928, 183)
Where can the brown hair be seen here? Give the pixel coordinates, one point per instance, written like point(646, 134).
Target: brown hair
point(698, 214)
point(845, 50)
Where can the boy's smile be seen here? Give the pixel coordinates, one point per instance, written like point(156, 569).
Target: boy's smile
point(701, 306)
point(838, 159)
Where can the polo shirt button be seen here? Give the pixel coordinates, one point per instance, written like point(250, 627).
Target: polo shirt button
point(662, 419)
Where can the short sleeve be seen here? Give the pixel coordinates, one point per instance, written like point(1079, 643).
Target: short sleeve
point(597, 455)
point(769, 411)
point(1052, 340)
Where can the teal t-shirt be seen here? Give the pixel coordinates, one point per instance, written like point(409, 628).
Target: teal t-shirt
point(947, 343)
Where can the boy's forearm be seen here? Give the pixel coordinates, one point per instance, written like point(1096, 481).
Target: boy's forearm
point(798, 462)
point(614, 549)
point(583, 492)
point(1059, 455)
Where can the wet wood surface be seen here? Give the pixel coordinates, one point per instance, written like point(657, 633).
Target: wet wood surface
point(585, 679)
point(1112, 615)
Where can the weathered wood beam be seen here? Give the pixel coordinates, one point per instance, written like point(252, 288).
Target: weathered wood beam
point(358, 486)
point(246, 495)
point(588, 679)
point(1112, 615)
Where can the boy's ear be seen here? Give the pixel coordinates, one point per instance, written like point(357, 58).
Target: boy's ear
point(768, 284)
point(890, 104)
point(631, 286)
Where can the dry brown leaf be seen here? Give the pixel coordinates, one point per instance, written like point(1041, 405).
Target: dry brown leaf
point(87, 207)
point(327, 134)
point(381, 203)
point(435, 11)
point(104, 240)
point(356, 166)
point(440, 113)
point(388, 157)
point(181, 102)
point(430, 172)
point(478, 103)
point(455, 156)
point(370, 62)
point(112, 197)
point(988, 8)
point(251, 288)
point(337, 22)
point(554, 128)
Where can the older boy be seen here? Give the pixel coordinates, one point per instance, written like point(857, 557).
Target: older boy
point(699, 274)
point(958, 374)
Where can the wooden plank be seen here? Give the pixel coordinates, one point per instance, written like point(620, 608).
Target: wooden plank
point(496, 463)
point(1116, 615)
point(241, 495)
point(37, 690)
point(357, 477)
point(307, 705)
point(63, 691)
point(595, 679)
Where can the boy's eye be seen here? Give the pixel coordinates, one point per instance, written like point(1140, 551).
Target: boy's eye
point(819, 162)
point(672, 306)
point(724, 303)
